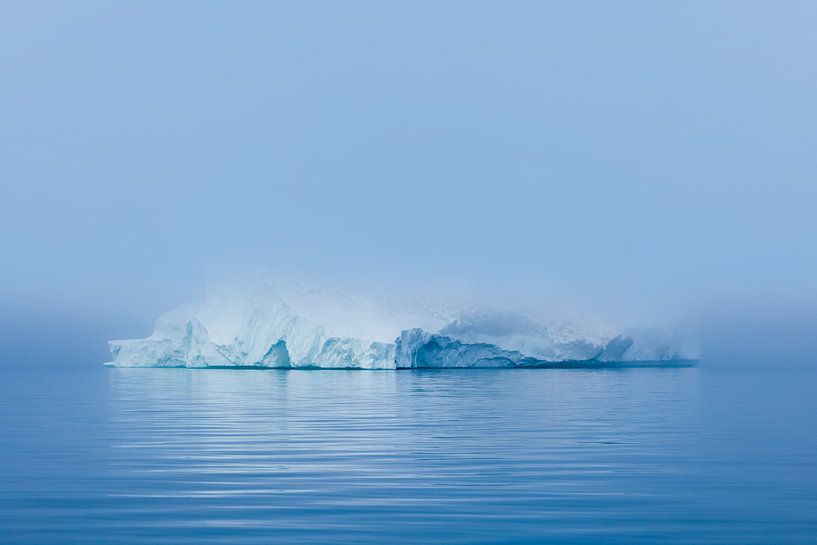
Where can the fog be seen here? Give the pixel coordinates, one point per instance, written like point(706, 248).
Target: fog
point(639, 160)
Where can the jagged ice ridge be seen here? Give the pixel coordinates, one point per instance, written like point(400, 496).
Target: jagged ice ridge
point(272, 326)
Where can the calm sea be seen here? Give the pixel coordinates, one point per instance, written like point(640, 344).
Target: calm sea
point(148, 456)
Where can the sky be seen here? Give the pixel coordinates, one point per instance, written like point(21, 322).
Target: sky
point(640, 156)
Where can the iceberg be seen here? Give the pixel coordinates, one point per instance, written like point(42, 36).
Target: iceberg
point(276, 325)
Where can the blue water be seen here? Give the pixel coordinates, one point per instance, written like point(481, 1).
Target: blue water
point(691, 455)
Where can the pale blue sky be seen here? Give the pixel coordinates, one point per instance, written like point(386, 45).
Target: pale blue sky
point(659, 152)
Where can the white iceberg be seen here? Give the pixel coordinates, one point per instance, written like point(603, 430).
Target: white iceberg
point(276, 325)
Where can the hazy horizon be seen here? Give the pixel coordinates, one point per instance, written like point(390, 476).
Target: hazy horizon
point(633, 159)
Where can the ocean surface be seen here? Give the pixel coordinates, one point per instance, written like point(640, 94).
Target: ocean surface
point(148, 456)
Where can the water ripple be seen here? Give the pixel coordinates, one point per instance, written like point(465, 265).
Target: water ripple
point(487, 456)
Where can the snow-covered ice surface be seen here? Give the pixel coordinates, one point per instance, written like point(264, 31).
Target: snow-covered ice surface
point(288, 325)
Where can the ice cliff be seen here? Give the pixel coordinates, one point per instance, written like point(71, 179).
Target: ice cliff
point(276, 326)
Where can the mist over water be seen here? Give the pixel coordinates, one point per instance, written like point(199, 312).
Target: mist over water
point(643, 163)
